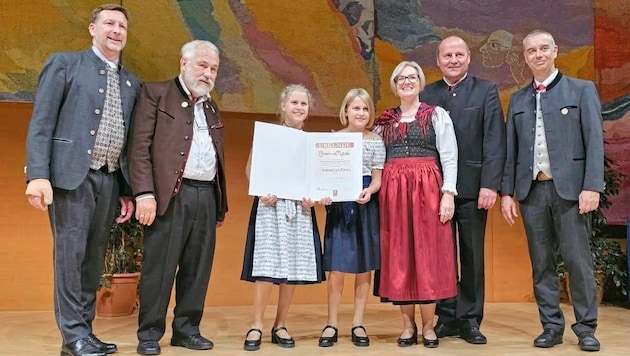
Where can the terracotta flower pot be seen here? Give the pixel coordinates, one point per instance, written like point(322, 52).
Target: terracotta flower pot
point(120, 298)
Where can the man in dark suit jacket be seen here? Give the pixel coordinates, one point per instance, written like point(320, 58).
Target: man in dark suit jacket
point(75, 148)
point(555, 168)
point(178, 180)
point(475, 109)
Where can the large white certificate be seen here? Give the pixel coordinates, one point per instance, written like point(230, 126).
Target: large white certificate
point(293, 164)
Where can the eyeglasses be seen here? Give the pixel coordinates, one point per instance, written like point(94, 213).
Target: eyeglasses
point(412, 78)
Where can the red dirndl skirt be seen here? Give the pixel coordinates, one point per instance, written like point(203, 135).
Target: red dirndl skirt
point(417, 253)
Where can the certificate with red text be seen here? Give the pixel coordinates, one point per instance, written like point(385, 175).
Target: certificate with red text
point(293, 164)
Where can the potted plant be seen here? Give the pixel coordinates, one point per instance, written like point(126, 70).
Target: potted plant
point(609, 261)
point(117, 295)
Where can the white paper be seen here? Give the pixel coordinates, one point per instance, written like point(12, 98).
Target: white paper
point(293, 164)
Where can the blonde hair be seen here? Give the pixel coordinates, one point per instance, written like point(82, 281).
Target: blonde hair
point(284, 96)
point(353, 94)
point(399, 68)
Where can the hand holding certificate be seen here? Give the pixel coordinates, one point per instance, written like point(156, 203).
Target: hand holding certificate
point(293, 164)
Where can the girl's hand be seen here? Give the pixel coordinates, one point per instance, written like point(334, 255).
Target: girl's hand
point(364, 197)
point(269, 200)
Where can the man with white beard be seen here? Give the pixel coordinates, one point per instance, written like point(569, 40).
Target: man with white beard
point(178, 181)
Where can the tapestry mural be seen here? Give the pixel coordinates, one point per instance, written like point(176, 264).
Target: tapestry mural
point(333, 45)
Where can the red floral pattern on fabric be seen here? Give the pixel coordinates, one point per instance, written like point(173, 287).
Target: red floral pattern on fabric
point(392, 127)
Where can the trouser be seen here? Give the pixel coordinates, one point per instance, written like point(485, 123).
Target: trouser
point(551, 222)
point(469, 224)
point(178, 246)
point(81, 220)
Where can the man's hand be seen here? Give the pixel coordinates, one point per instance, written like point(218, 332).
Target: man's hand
point(39, 193)
point(487, 198)
point(126, 210)
point(508, 209)
point(588, 201)
point(146, 210)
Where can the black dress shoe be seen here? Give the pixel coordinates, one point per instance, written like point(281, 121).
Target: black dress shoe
point(549, 338)
point(81, 347)
point(413, 340)
point(443, 330)
point(148, 348)
point(103, 346)
point(361, 341)
point(282, 342)
point(327, 341)
point(193, 342)
point(252, 345)
point(587, 341)
point(472, 335)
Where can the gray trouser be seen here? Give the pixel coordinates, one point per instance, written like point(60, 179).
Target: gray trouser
point(81, 221)
point(551, 221)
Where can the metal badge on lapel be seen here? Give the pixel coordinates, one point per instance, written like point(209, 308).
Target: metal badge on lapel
point(128, 83)
point(564, 111)
point(184, 104)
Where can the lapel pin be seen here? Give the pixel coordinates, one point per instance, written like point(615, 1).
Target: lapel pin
point(564, 111)
point(128, 83)
point(184, 104)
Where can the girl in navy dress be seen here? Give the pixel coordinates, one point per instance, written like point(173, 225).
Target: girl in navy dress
point(351, 242)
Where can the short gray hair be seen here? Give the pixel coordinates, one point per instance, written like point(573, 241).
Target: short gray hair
point(188, 50)
point(399, 68)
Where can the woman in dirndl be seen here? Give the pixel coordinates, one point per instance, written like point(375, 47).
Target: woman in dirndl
point(416, 205)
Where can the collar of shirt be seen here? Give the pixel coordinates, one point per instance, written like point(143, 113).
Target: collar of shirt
point(200, 99)
point(548, 80)
point(457, 82)
point(99, 54)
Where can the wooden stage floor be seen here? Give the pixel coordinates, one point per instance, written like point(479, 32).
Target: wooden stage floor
point(510, 328)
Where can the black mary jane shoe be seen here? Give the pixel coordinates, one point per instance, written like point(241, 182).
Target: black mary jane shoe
point(360, 341)
point(430, 343)
point(252, 345)
point(327, 341)
point(413, 340)
point(282, 342)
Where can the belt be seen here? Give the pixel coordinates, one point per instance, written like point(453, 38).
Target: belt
point(198, 183)
point(542, 177)
point(104, 169)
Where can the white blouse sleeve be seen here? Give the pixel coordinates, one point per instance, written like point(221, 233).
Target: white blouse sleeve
point(446, 144)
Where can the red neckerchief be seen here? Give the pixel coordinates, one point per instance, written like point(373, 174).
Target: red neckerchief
point(394, 129)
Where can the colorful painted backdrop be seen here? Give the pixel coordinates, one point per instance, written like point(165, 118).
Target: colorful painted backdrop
point(333, 45)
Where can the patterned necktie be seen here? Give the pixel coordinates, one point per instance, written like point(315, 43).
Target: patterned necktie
point(111, 130)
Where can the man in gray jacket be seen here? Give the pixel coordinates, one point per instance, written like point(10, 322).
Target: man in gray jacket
point(75, 150)
point(555, 169)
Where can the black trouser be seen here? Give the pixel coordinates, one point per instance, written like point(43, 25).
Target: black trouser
point(178, 245)
point(551, 221)
point(469, 224)
point(81, 220)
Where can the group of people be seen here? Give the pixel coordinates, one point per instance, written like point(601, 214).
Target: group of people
point(432, 168)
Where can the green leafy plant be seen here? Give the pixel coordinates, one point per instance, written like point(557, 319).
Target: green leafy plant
point(608, 257)
point(124, 250)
